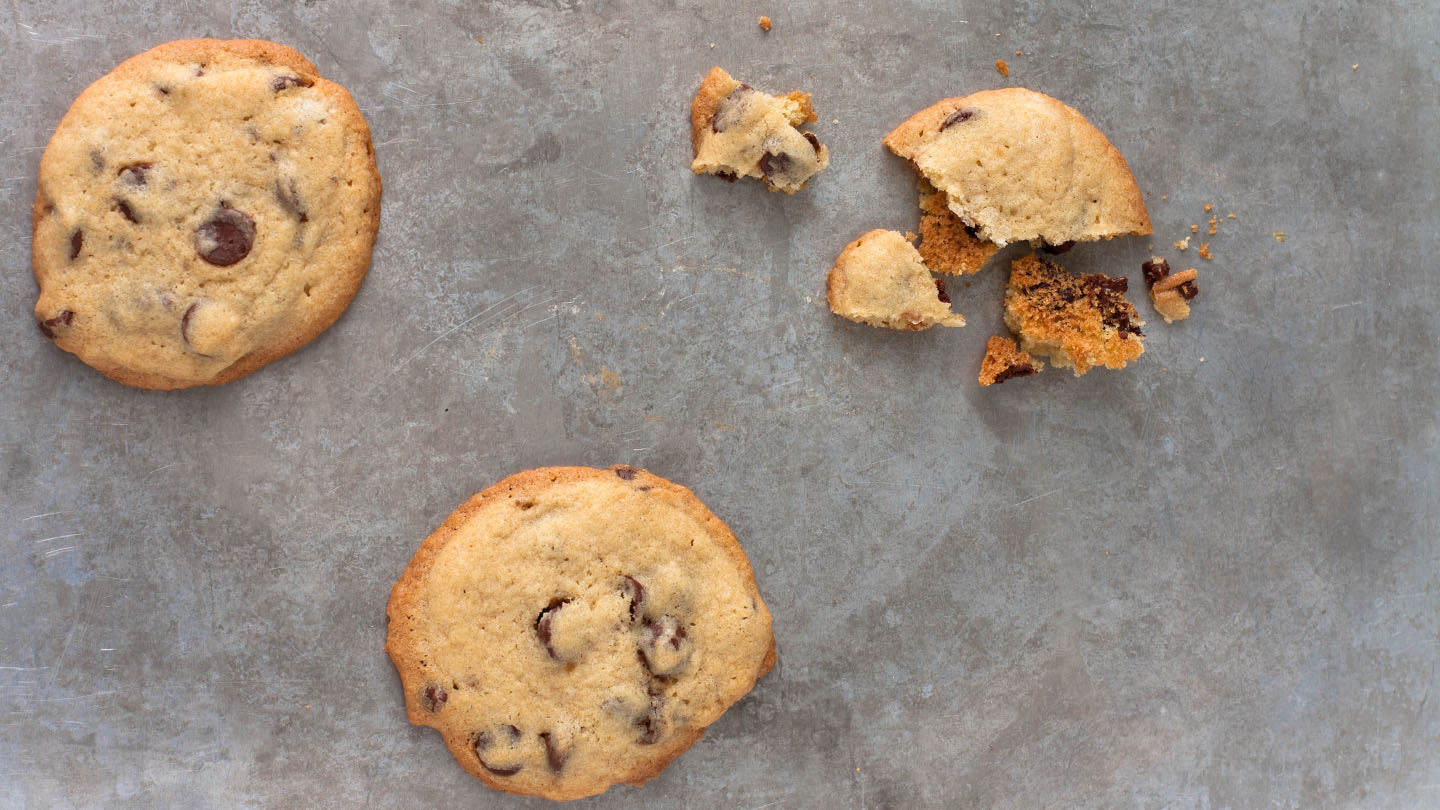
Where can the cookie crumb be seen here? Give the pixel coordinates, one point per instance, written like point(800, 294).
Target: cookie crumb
point(1170, 294)
point(834, 120)
point(1214, 225)
point(1355, 66)
point(477, 39)
point(1194, 229)
point(1209, 207)
point(1183, 244)
point(1017, 53)
point(1229, 216)
point(1279, 236)
point(765, 23)
point(1204, 251)
point(1001, 66)
point(1164, 196)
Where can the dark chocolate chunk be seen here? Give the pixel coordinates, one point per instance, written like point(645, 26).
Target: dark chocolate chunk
point(728, 177)
point(626, 473)
point(940, 289)
point(1056, 250)
point(226, 237)
point(636, 592)
point(63, 318)
point(543, 625)
point(1188, 290)
point(652, 724)
point(126, 211)
point(814, 141)
point(1109, 295)
point(433, 697)
point(960, 116)
point(77, 241)
point(134, 174)
point(1017, 370)
point(555, 755)
point(1154, 270)
point(284, 82)
point(483, 740)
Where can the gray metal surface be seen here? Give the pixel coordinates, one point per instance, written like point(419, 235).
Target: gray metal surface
point(1207, 581)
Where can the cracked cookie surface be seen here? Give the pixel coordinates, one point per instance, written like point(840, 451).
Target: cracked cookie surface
point(205, 208)
point(1017, 165)
point(738, 131)
point(880, 280)
point(571, 628)
point(1076, 322)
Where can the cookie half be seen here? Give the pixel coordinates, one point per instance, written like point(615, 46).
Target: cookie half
point(738, 131)
point(571, 628)
point(1016, 165)
point(880, 279)
point(205, 208)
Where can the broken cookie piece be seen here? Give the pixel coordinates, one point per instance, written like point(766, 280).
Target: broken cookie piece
point(880, 279)
point(1004, 361)
point(947, 244)
point(1076, 322)
point(1171, 294)
point(738, 131)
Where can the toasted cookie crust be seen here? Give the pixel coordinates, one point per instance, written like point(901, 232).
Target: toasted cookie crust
point(205, 208)
point(1022, 166)
point(1076, 322)
point(570, 628)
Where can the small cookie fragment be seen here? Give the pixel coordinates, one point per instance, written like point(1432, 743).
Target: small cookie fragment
point(1004, 361)
point(881, 280)
point(765, 23)
point(947, 244)
point(571, 628)
point(1079, 323)
point(1170, 294)
point(738, 131)
point(1002, 67)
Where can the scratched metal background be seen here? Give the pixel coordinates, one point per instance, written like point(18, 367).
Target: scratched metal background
point(1208, 581)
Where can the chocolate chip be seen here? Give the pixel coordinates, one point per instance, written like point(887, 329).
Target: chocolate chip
point(164, 91)
point(652, 724)
point(283, 82)
point(1056, 250)
point(636, 592)
point(960, 116)
point(185, 322)
point(97, 160)
point(555, 756)
point(970, 229)
point(77, 240)
point(663, 648)
point(433, 697)
point(814, 141)
point(1017, 370)
point(134, 174)
point(1109, 295)
point(771, 165)
point(626, 473)
point(483, 740)
point(226, 237)
point(289, 197)
point(1154, 270)
point(1188, 290)
point(940, 288)
point(543, 624)
point(62, 318)
point(727, 112)
point(728, 177)
point(126, 211)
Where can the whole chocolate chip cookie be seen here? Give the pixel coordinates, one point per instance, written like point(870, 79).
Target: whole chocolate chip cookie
point(571, 628)
point(205, 208)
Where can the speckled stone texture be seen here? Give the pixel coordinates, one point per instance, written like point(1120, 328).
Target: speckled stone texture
point(1207, 581)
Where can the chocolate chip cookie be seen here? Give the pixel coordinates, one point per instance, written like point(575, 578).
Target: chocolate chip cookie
point(571, 628)
point(738, 131)
point(879, 279)
point(1016, 165)
point(1078, 323)
point(205, 208)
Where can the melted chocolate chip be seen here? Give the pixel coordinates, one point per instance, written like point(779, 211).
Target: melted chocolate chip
point(62, 318)
point(289, 197)
point(814, 141)
point(960, 116)
point(727, 112)
point(185, 322)
point(940, 289)
point(1188, 290)
point(433, 697)
point(652, 725)
point(728, 177)
point(126, 211)
point(134, 174)
point(970, 229)
point(1109, 295)
point(626, 473)
point(1154, 270)
point(284, 82)
point(97, 160)
point(555, 756)
point(1056, 250)
point(636, 592)
point(1017, 370)
point(771, 165)
point(482, 740)
point(226, 237)
point(543, 624)
point(77, 241)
